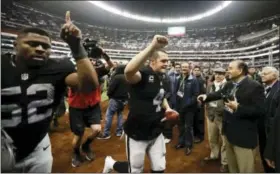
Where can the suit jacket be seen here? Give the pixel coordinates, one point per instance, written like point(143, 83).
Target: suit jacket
point(174, 78)
point(240, 127)
point(167, 83)
point(191, 91)
point(271, 103)
point(272, 150)
point(202, 85)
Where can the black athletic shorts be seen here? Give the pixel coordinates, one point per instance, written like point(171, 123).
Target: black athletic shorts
point(81, 118)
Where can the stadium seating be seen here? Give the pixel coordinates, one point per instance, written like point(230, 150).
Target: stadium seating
point(255, 42)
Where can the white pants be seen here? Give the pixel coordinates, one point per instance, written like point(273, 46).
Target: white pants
point(136, 150)
point(39, 161)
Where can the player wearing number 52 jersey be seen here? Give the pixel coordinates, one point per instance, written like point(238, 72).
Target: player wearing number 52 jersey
point(147, 91)
point(31, 85)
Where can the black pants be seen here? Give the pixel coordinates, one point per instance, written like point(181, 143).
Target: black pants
point(262, 144)
point(60, 110)
point(82, 118)
point(186, 128)
point(199, 123)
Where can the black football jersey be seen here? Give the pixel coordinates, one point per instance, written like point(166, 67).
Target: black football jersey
point(145, 106)
point(28, 98)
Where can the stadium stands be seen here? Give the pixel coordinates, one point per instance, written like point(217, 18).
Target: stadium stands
point(256, 42)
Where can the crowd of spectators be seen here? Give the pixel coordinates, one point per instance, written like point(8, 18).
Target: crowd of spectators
point(15, 16)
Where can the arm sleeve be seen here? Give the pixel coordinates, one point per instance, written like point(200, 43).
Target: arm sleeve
point(213, 96)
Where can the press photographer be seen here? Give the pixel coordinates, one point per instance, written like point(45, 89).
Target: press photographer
point(95, 53)
point(84, 109)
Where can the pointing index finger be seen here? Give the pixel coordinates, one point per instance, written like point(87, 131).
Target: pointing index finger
point(67, 17)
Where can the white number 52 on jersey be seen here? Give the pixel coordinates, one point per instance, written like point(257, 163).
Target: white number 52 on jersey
point(15, 109)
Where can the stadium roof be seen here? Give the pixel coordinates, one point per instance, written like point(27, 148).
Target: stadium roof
point(84, 11)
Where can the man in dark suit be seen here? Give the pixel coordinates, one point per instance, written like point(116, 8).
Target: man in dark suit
point(270, 76)
point(272, 149)
point(173, 76)
point(244, 101)
point(187, 92)
point(200, 111)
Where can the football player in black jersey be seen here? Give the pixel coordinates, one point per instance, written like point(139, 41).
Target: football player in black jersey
point(31, 84)
point(143, 126)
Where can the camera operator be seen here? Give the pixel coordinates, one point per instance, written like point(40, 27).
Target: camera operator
point(84, 109)
point(244, 105)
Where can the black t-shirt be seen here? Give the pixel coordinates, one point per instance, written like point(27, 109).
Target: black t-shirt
point(28, 98)
point(145, 106)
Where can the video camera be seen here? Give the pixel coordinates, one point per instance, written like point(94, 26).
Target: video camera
point(92, 49)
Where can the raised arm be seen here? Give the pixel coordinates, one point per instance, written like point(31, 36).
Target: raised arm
point(131, 71)
point(86, 78)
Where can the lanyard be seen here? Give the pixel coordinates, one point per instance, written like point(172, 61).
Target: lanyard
point(182, 84)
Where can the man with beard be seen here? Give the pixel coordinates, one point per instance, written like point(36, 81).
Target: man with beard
point(147, 109)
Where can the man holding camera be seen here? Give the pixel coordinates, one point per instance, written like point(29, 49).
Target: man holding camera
point(244, 101)
point(84, 109)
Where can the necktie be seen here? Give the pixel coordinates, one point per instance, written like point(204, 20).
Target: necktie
point(267, 90)
point(234, 89)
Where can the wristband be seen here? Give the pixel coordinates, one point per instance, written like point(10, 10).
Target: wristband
point(75, 44)
point(78, 51)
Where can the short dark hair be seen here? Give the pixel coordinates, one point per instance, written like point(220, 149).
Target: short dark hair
point(196, 66)
point(35, 30)
point(177, 64)
point(243, 66)
point(172, 63)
